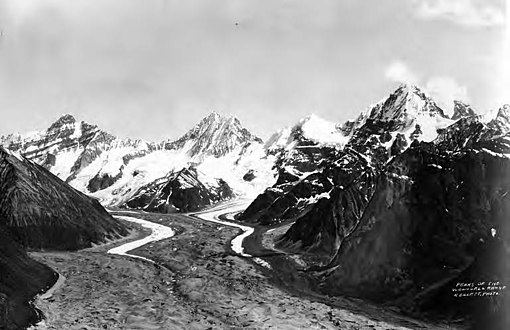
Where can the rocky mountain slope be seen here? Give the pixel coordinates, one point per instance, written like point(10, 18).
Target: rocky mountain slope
point(404, 226)
point(436, 219)
point(68, 146)
point(300, 153)
point(179, 191)
point(313, 152)
point(41, 211)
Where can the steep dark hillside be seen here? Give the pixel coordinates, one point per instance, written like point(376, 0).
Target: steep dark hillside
point(179, 191)
point(21, 278)
point(41, 211)
point(300, 181)
point(336, 215)
point(435, 219)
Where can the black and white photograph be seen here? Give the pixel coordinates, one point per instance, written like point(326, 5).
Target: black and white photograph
point(254, 164)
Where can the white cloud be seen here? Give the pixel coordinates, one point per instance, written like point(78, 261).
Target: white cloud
point(399, 72)
point(444, 90)
point(470, 13)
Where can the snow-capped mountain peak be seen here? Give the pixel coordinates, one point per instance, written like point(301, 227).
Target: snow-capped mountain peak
point(311, 128)
point(216, 135)
point(501, 122)
point(461, 109)
point(406, 102)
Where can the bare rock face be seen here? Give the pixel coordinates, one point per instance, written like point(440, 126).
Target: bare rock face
point(462, 110)
point(336, 215)
point(429, 221)
point(41, 211)
point(501, 124)
point(102, 181)
point(179, 191)
point(300, 180)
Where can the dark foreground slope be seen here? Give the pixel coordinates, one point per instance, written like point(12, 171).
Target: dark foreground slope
point(20, 279)
point(434, 221)
point(41, 211)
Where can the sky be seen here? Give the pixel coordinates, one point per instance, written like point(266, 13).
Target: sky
point(153, 68)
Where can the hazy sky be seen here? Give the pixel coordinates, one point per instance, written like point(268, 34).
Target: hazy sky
point(153, 68)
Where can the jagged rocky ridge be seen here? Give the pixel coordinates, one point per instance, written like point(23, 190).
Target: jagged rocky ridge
point(67, 146)
point(383, 131)
point(41, 211)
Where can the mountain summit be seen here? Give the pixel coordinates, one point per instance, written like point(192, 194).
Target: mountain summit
point(215, 135)
point(407, 102)
point(461, 109)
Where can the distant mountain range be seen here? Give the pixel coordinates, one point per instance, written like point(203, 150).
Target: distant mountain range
point(219, 149)
point(115, 171)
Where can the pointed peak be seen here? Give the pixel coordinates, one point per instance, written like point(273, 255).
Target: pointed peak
point(501, 122)
point(215, 116)
point(63, 120)
point(216, 134)
point(67, 118)
point(409, 88)
point(405, 103)
point(461, 110)
point(504, 110)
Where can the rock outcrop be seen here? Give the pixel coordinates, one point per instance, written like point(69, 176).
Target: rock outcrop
point(180, 191)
